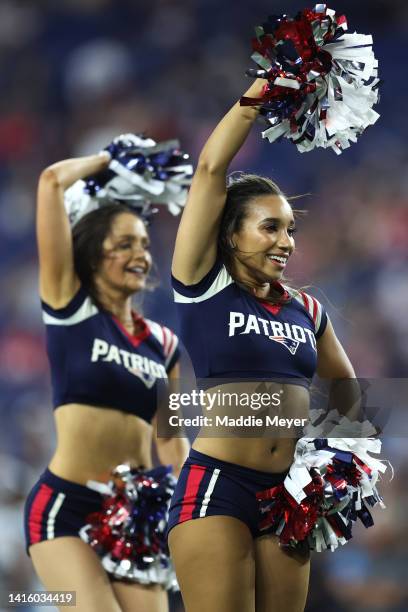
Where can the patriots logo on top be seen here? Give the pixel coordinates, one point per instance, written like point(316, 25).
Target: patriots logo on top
point(148, 379)
point(291, 345)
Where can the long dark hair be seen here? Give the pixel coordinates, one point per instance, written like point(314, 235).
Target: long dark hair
point(88, 236)
point(241, 189)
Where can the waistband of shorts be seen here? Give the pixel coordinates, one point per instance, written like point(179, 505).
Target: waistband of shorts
point(68, 486)
point(243, 471)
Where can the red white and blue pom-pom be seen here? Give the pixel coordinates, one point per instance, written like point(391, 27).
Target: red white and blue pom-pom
point(129, 533)
point(141, 173)
point(331, 484)
point(321, 82)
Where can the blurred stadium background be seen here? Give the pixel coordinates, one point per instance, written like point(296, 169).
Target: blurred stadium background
point(75, 73)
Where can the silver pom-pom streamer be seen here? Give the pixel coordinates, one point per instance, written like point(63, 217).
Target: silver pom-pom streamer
point(129, 533)
point(78, 202)
point(330, 485)
point(141, 173)
point(321, 82)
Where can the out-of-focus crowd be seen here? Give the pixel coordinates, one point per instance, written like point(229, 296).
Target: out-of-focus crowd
point(74, 74)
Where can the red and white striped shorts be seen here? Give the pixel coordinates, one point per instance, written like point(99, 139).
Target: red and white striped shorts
point(57, 507)
point(210, 487)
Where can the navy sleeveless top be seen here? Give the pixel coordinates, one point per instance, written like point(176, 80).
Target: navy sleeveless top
point(95, 361)
point(231, 334)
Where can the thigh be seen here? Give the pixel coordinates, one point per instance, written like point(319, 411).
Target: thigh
point(214, 561)
point(139, 598)
point(282, 578)
point(68, 564)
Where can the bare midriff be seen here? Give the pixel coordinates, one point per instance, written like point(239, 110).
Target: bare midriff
point(91, 441)
point(271, 451)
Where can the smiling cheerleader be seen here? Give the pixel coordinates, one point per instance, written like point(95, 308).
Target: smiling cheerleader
point(106, 364)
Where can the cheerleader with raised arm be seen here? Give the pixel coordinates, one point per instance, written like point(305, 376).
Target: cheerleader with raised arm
point(106, 364)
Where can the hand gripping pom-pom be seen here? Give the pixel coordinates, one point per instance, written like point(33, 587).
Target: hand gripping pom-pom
point(141, 173)
point(321, 83)
point(129, 532)
point(330, 485)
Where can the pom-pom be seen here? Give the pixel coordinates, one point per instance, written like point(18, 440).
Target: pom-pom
point(321, 83)
point(141, 173)
point(330, 485)
point(129, 533)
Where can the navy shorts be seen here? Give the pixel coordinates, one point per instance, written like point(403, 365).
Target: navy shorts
point(210, 487)
point(57, 507)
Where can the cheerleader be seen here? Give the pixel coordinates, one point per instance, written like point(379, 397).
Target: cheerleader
point(241, 324)
point(106, 363)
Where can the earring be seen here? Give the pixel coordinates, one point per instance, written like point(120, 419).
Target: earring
point(232, 245)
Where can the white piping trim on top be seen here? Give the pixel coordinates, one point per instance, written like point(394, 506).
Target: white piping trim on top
point(222, 280)
point(85, 311)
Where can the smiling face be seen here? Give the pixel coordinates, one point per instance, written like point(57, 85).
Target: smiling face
point(265, 239)
point(126, 259)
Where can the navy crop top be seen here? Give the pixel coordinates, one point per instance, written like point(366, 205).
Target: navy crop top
point(95, 361)
point(231, 334)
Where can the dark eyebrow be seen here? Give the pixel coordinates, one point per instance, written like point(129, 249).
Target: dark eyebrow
point(275, 220)
point(130, 237)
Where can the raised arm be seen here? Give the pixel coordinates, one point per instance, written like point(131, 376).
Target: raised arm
point(58, 281)
point(196, 243)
